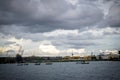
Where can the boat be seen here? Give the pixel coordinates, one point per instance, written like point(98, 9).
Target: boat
point(49, 63)
point(19, 64)
point(85, 62)
point(37, 63)
point(82, 62)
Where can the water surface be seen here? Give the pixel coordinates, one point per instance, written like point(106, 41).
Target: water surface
point(101, 70)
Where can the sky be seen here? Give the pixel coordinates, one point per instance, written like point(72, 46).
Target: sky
point(59, 27)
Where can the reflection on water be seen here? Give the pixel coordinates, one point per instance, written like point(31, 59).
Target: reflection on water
point(105, 70)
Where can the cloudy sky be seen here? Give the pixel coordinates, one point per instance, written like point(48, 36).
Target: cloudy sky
point(59, 27)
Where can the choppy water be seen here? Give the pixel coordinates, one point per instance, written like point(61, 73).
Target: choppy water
point(62, 71)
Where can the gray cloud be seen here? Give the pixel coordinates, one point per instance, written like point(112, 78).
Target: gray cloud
point(44, 15)
point(8, 43)
point(113, 18)
point(30, 19)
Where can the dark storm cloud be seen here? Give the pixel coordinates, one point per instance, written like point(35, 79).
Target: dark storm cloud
point(11, 29)
point(28, 12)
point(36, 16)
point(46, 15)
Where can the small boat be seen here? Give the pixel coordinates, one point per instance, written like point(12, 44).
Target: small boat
point(85, 62)
point(19, 64)
point(82, 62)
point(49, 63)
point(37, 63)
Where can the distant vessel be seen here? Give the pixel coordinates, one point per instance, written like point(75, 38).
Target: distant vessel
point(22, 64)
point(82, 62)
point(37, 63)
point(19, 64)
point(49, 63)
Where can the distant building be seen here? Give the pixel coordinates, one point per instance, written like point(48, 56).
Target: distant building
point(75, 57)
point(87, 58)
point(71, 58)
point(109, 56)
